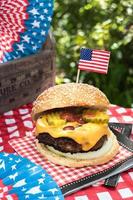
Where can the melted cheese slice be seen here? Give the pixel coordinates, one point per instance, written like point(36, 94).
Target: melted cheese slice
point(87, 135)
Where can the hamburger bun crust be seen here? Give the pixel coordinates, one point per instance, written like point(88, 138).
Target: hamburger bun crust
point(106, 154)
point(69, 95)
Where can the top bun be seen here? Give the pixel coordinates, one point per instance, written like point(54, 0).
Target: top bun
point(67, 95)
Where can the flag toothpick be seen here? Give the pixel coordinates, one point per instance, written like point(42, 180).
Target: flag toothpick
point(93, 61)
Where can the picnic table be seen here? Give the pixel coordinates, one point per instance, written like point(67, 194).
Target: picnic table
point(17, 123)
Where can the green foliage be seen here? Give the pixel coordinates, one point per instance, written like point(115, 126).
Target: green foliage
point(104, 24)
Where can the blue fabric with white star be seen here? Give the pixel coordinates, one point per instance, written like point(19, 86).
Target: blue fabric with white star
point(28, 180)
point(37, 26)
point(85, 54)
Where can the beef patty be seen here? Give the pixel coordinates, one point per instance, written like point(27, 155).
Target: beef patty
point(67, 144)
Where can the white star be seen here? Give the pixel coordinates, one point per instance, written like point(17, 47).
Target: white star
point(41, 180)
point(34, 47)
point(13, 167)
point(34, 33)
point(6, 154)
point(43, 32)
point(57, 198)
point(26, 38)
point(13, 176)
point(36, 24)
point(34, 168)
point(41, 4)
point(2, 164)
point(18, 161)
point(42, 197)
point(49, 4)
point(20, 47)
point(45, 25)
point(49, 19)
point(43, 175)
point(34, 11)
point(53, 190)
point(28, 166)
point(23, 189)
point(11, 159)
point(42, 17)
point(45, 10)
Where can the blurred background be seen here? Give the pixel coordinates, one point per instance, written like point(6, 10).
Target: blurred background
point(96, 24)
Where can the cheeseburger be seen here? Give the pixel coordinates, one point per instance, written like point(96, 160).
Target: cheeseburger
point(72, 125)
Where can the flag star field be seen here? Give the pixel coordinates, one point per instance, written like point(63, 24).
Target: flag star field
point(24, 26)
point(21, 179)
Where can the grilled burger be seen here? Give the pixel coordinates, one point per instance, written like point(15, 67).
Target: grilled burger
point(72, 125)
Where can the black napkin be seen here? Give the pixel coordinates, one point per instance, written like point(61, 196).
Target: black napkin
point(125, 129)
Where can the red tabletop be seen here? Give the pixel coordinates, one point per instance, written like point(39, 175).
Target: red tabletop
point(18, 123)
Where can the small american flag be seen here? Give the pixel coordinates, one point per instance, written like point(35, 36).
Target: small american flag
point(94, 60)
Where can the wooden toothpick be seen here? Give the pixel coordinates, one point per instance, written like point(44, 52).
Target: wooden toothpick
point(78, 73)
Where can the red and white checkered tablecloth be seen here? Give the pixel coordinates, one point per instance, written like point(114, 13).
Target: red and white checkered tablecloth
point(26, 147)
point(17, 123)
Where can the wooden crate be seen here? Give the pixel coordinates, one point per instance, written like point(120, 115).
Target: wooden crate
point(22, 80)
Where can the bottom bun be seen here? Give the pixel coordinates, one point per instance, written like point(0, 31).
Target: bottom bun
point(109, 149)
